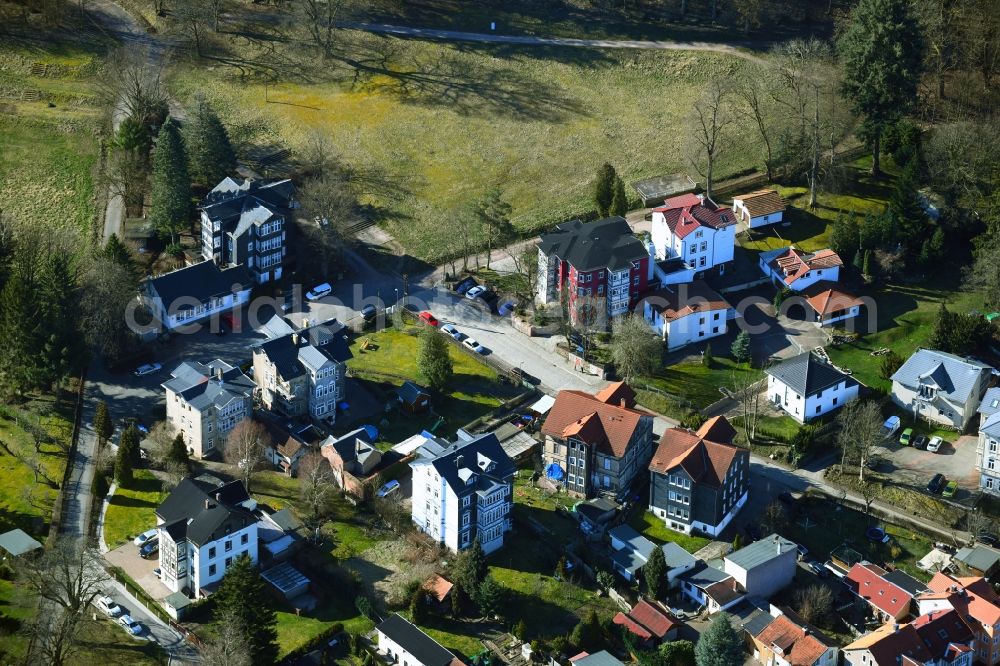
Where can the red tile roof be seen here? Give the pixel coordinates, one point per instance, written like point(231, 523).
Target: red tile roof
point(826, 298)
point(890, 645)
point(438, 586)
point(793, 264)
point(608, 427)
point(969, 596)
point(703, 459)
point(717, 429)
point(616, 393)
point(940, 629)
point(657, 621)
point(688, 212)
point(797, 646)
point(868, 582)
point(682, 300)
point(633, 626)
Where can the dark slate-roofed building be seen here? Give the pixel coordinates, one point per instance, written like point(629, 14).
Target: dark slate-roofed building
point(193, 293)
point(202, 530)
point(406, 645)
point(243, 223)
point(807, 386)
point(601, 259)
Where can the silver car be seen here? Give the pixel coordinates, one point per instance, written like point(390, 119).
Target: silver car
point(452, 331)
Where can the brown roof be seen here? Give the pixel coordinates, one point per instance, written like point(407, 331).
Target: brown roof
point(634, 627)
point(657, 621)
point(685, 299)
point(762, 202)
point(889, 645)
point(801, 648)
point(614, 394)
point(704, 460)
point(438, 587)
point(826, 298)
point(583, 416)
point(724, 591)
point(970, 596)
point(687, 212)
point(717, 429)
point(793, 264)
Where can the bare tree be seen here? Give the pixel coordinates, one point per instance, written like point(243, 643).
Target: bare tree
point(869, 493)
point(131, 83)
point(67, 575)
point(108, 290)
point(750, 13)
point(218, 6)
point(126, 175)
point(525, 262)
point(774, 518)
point(246, 446)
point(814, 604)
point(52, 637)
point(229, 647)
point(330, 204)
point(860, 432)
point(751, 90)
point(191, 19)
point(940, 20)
point(320, 19)
point(317, 487)
point(747, 393)
point(710, 117)
point(635, 349)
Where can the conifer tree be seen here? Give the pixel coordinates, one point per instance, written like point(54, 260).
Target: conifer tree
point(123, 468)
point(171, 188)
point(720, 645)
point(604, 189)
point(22, 333)
point(619, 200)
point(59, 300)
point(129, 442)
point(655, 573)
point(210, 153)
point(244, 595)
point(102, 422)
point(434, 359)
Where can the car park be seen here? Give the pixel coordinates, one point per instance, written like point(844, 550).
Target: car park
point(388, 488)
point(130, 625)
point(145, 536)
point(950, 489)
point(935, 444)
point(907, 437)
point(475, 292)
point(936, 483)
point(108, 606)
point(452, 331)
point(472, 344)
point(428, 318)
point(319, 291)
point(147, 369)
point(465, 285)
point(920, 442)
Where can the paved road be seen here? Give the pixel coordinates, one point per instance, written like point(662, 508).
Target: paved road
point(732, 48)
point(179, 650)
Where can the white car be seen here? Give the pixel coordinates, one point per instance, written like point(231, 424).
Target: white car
point(935, 444)
point(144, 537)
point(475, 291)
point(108, 606)
point(319, 291)
point(147, 369)
point(131, 626)
point(474, 346)
point(452, 331)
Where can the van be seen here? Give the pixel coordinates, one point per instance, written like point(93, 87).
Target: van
point(319, 291)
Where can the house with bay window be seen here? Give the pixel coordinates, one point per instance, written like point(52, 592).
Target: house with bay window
point(692, 237)
point(941, 387)
point(463, 491)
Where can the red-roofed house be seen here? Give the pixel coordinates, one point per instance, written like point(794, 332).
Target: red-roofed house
point(596, 443)
point(695, 230)
point(788, 641)
point(975, 602)
point(830, 303)
point(797, 270)
point(699, 480)
point(940, 638)
point(887, 600)
point(649, 623)
point(686, 313)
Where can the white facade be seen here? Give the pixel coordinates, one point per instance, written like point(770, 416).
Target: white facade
point(988, 456)
point(803, 408)
point(172, 316)
point(849, 313)
point(186, 565)
point(806, 280)
point(695, 327)
point(547, 278)
point(943, 411)
point(702, 249)
point(743, 215)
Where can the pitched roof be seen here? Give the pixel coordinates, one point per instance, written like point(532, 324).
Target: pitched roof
point(725, 591)
point(202, 281)
point(355, 445)
point(608, 427)
point(410, 392)
point(761, 202)
point(704, 460)
point(953, 376)
point(591, 246)
point(632, 626)
point(657, 621)
point(969, 596)
point(482, 459)
point(717, 429)
point(201, 513)
point(602, 658)
point(678, 301)
point(941, 628)
point(213, 384)
point(294, 351)
point(808, 374)
point(826, 297)
point(868, 582)
point(438, 586)
point(978, 557)
point(761, 552)
point(236, 204)
point(688, 212)
point(904, 580)
point(409, 637)
point(991, 402)
point(793, 264)
point(799, 645)
point(615, 393)
point(888, 644)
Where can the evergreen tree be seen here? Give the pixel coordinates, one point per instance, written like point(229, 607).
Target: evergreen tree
point(434, 359)
point(943, 331)
point(472, 569)
point(867, 268)
point(604, 189)
point(418, 606)
point(845, 235)
point(677, 653)
point(706, 358)
point(178, 453)
point(171, 188)
point(123, 468)
point(129, 442)
point(244, 594)
point(908, 211)
point(520, 630)
point(133, 135)
point(587, 635)
point(457, 599)
point(932, 249)
point(738, 541)
point(619, 200)
point(23, 335)
point(490, 597)
point(741, 347)
point(117, 252)
point(210, 153)
point(720, 645)
point(889, 364)
point(102, 422)
point(882, 54)
point(859, 261)
point(655, 573)
point(59, 303)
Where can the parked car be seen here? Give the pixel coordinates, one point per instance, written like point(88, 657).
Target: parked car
point(818, 568)
point(876, 535)
point(489, 297)
point(935, 444)
point(950, 489)
point(988, 538)
point(145, 536)
point(452, 331)
point(506, 308)
point(475, 292)
point(428, 319)
point(803, 551)
point(368, 312)
point(158, 572)
point(319, 291)
point(389, 488)
point(474, 346)
point(906, 437)
point(890, 427)
point(465, 285)
point(147, 369)
point(936, 483)
point(920, 442)
point(108, 606)
point(130, 625)
point(150, 549)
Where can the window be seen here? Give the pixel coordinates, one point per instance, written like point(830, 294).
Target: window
point(229, 546)
point(715, 329)
point(211, 570)
point(704, 245)
point(572, 479)
point(818, 408)
point(600, 289)
point(229, 561)
point(693, 250)
point(467, 500)
point(211, 552)
point(835, 401)
point(244, 539)
point(989, 484)
point(572, 461)
point(607, 463)
point(715, 316)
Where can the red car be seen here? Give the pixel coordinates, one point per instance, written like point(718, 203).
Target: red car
point(428, 318)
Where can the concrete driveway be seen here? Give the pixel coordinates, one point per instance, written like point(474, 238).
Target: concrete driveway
point(914, 467)
point(127, 557)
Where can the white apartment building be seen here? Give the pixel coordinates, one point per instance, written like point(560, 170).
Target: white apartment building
point(694, 229)
point(941, 387)
point(806, 387)
point(202, 531)
point(686, 313)
point(463, 491)
point(205, 402)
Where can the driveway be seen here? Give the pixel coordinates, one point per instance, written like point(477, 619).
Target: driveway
point(127, 557)
point(956, 460)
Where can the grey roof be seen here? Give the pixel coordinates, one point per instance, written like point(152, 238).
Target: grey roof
point(991, 402)
point(953, 376)
point(457, 463)
point(991, 425)
point(602, 658)
point(629, 559)
point(425, 650)
point(978, 557)
point(676, 556)
point(808, 374)
point(200, 513)
point(410, 392)
point(703, 576)
point(591, 246)
point(200, 385)
point(18, 542)
point(177, 600)
point(202, 281)
point(761, 552)
point(293, 351)
point(284, 519)
point(355, 445)
point(903, 580)
point(231, 199)
point(285, 577)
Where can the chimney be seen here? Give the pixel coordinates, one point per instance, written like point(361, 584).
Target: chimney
point(295, 339)
point(777, 545)
point(623, 403)
point(218, 497)
point(208, 503)
point(458, 461)
point(305, 322)
point(218, 372)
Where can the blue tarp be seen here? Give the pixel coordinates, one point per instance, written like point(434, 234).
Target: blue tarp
point(554, 472)
point(372, 432)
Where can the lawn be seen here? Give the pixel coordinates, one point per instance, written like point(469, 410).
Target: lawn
point(433, 125)
point(297, 630)
point(700, 385)
point(531, 503)
point(132, 510)
point(452, 634)
point(655, 530)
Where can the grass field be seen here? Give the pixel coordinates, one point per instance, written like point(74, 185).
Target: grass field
point(653, 528)
point(697, 383)
point(433, 125)
point(132, 510)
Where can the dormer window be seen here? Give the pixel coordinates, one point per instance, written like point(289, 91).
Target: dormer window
point(927, 392)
